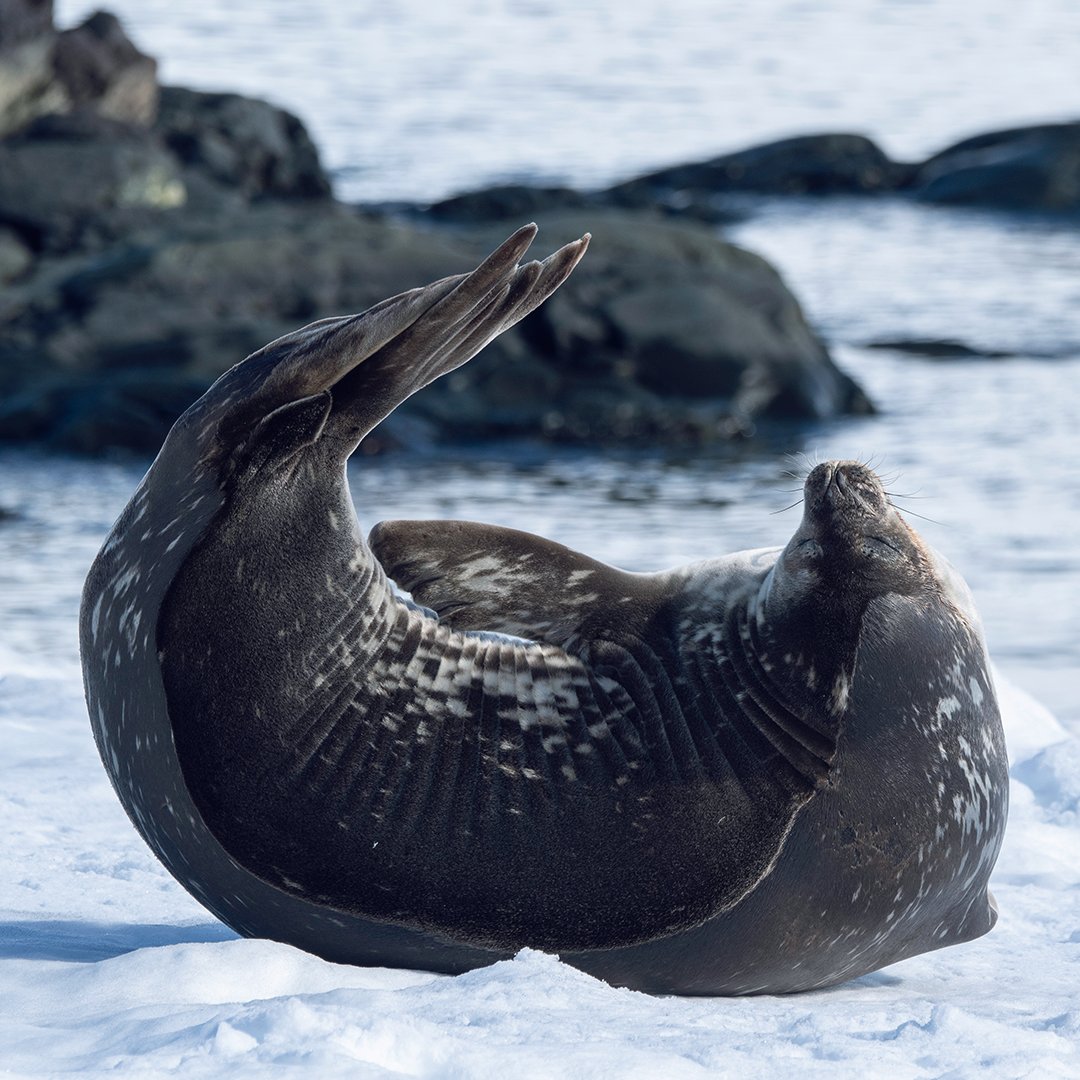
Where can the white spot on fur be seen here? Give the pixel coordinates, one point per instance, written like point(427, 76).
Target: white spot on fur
point(976, 691)
point(840, 692)
point(947, 707)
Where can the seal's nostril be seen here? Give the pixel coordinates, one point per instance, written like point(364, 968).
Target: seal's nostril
point(818, 480)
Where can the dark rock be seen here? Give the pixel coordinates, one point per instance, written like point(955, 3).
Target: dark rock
point(242, 143)
point(939, 349)
point(1032, 168)
point(520, 202)
point(101, 69)
point(93, 67)
point(805, 165)
point(63, 172)
point(28, 87)
point(711, 208)
point(132, 411)
point(24, 20)
point(664, 333)
point(79, 289)
point(505, 201)
point(15, 256)
point(200, 293)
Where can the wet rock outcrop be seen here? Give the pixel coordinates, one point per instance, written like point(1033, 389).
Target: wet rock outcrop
point(668, 334)
point(93, 67)
point(151, 237)
point(241, 144)
point(1029, 168)
point(829, 164)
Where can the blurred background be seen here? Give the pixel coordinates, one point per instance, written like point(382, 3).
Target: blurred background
point(823, 228)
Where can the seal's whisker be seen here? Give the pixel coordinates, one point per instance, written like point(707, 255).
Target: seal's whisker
point(804, 462)
point(786, 508)
point(905, 510)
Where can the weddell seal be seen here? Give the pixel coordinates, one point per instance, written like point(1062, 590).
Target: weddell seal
point(767, 772)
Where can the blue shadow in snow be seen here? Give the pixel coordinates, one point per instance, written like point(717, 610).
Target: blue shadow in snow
point(86, 942)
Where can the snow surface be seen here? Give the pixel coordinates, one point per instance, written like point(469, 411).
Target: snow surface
point(108, 967)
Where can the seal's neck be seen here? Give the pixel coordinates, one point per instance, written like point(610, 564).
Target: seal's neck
point(794, 690)
point(809, 641)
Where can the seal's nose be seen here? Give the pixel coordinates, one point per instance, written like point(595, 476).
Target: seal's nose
point(836, 487)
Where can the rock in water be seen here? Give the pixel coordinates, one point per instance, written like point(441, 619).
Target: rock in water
point(804, 165)
point(1032, 168)
point(673, 336)
point(93, 68)
point(768, 772)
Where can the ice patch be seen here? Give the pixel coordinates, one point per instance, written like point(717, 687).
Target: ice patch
point(108, 966)
point(1053, 775)
point(1029, 725)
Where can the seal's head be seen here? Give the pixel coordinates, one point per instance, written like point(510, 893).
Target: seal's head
point(852, 544)
point(852, 563)
point(862, 632)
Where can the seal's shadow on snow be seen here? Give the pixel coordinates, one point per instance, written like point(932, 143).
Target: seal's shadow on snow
point(87, 942)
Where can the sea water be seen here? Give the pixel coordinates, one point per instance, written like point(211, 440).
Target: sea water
point(418, 100)
point(106, 965)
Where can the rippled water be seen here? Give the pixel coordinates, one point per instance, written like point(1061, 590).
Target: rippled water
point(414, 99)
point(418, 98)
point(870, 270)
point(989, 447)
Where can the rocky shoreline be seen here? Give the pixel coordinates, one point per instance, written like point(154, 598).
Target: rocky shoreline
point(152, 236)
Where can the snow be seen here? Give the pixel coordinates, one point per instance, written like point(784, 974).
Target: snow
point(108, 967)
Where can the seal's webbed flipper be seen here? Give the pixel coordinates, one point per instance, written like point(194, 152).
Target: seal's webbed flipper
point(485, 577)
point(454, 327)
point(371, 362)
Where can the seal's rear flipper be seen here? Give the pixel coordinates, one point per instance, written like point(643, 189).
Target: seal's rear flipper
point(452, 328)
point(371, 362)
point(485, 577)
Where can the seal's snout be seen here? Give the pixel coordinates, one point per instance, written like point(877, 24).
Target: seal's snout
point(841, 488)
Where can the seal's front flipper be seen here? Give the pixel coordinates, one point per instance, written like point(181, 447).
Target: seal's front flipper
point(485, 577)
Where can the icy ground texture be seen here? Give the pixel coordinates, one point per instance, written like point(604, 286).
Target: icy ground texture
point(108, 967)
